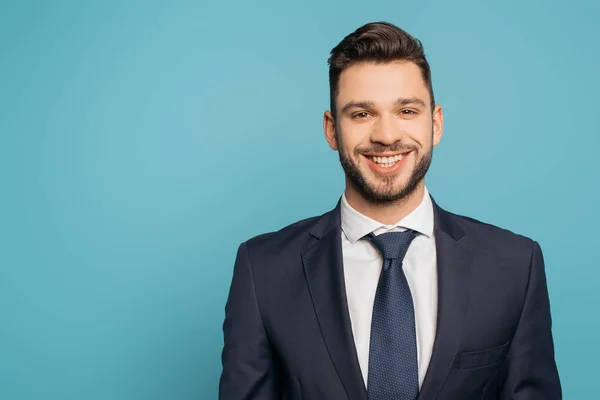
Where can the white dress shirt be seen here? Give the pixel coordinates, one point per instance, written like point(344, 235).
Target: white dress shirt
point(362, 267)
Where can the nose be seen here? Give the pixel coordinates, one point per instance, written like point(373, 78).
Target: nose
point(386, 131)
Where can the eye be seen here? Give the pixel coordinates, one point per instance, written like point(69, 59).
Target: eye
point(408, 112)
point(360, 115)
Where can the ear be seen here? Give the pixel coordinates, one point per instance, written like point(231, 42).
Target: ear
point(438, 124)
point(329, 129)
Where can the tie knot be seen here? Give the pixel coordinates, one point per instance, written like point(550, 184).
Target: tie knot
point(392, 245)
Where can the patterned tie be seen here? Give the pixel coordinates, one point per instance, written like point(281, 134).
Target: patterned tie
point(393, 369)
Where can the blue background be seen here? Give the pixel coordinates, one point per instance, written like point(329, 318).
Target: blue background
point(141, 142)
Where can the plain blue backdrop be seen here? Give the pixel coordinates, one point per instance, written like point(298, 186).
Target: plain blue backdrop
point(141, 142)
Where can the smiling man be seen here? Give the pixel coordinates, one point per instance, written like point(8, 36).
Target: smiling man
point(387, 296)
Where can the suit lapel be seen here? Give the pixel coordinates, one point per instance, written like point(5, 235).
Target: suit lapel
point(325, 277)
point(323, 267)
point(453, 266)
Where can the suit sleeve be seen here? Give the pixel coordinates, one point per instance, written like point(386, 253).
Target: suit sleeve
point(249, 370)
point(532, 372)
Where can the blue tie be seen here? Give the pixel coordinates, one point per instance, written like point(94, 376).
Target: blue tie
point(393, 368)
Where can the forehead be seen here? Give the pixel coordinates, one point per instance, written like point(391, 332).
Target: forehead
point(381, 83)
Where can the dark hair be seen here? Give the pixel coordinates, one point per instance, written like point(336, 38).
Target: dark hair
point(378, 42)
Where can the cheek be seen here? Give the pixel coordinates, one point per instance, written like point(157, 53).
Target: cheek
point(422, 133)
point(354, 135)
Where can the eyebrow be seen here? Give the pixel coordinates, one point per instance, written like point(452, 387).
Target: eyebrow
point(401, 101)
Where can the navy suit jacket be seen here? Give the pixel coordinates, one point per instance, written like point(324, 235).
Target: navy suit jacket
point(287, 328)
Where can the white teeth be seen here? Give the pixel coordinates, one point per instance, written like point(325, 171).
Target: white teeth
point(387, 161)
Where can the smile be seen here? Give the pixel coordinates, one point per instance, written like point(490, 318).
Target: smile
point(387, 162)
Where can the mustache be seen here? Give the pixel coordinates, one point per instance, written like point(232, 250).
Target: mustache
point(379, 148)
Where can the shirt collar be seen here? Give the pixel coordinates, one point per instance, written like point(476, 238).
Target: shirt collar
point(356, 225)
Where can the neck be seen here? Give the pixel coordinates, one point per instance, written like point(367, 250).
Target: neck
point(388, 213)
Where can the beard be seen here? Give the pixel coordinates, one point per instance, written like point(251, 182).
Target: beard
point(385, 191)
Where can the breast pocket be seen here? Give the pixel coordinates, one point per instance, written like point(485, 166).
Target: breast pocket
point(482, 358)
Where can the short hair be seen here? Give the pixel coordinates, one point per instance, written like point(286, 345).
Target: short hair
point(376, 42)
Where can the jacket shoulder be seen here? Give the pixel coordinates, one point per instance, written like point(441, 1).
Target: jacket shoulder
point(291, 238)
point(494, 238)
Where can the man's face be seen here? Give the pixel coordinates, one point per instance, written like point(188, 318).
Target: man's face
point(385, 129)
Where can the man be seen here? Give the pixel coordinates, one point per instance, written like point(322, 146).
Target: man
point(387, 296)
